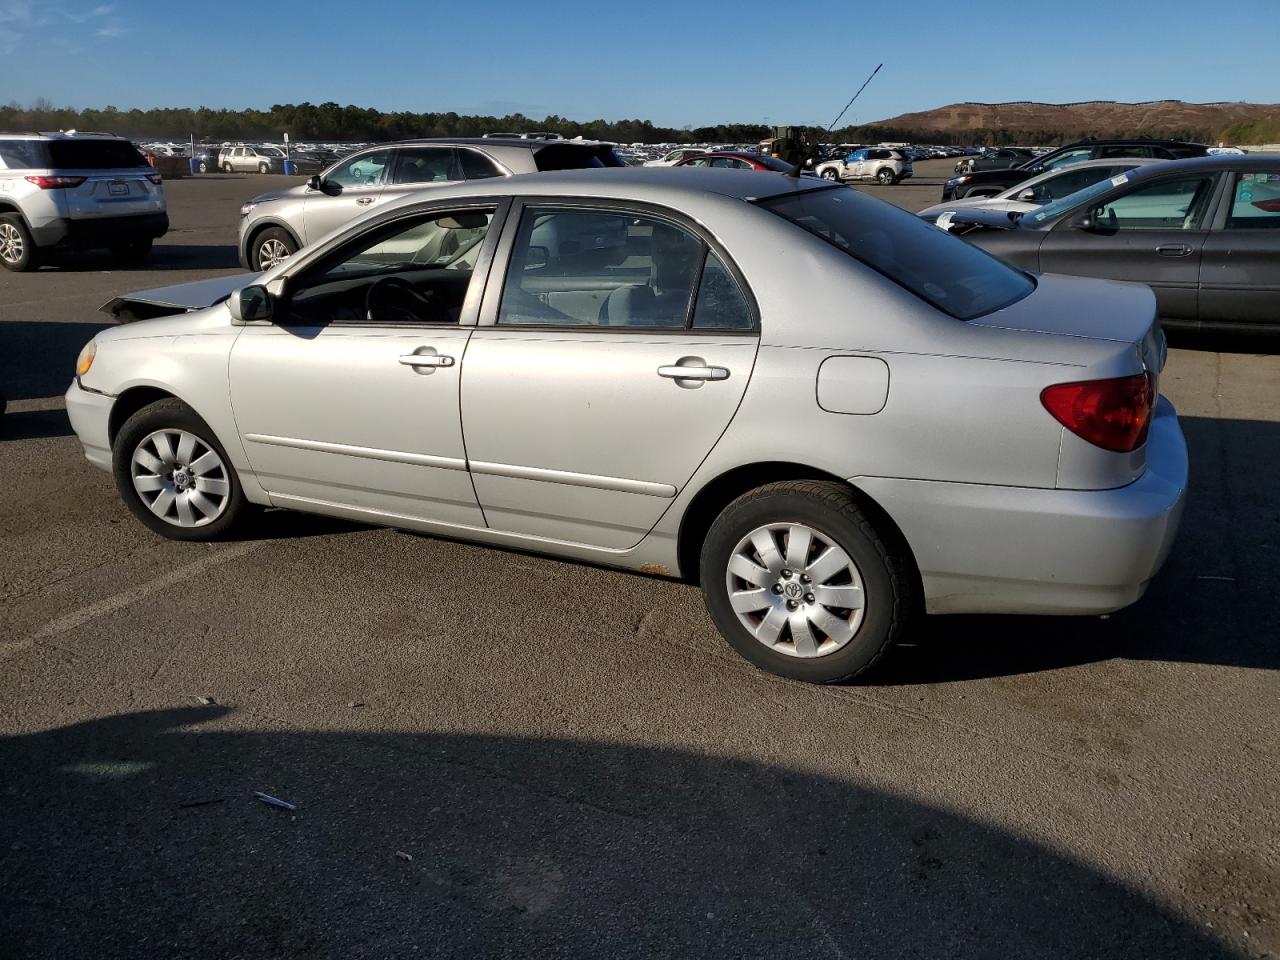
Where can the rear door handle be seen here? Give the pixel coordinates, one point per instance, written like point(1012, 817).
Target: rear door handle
point(1173, 250)
point(680, 372)
point(365, 201)
point(426, 360)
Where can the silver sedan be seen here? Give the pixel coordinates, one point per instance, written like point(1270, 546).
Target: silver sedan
point(831, 414)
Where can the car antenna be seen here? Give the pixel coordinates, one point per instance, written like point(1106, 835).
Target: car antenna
point(795, 171)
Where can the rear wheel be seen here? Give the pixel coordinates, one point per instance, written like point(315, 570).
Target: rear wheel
point(270, 247)
point(885, 176)
point(830, 174)
point(17, 250)
point(802, 584)
point(226, 168)
point(174, 476)
point(264, 168)
point(204, 166)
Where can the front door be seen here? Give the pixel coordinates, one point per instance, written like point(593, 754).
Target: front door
point(1239, 278)
point(349, 189)
point(350, 397)
point(1153, 234)
point(606, 367)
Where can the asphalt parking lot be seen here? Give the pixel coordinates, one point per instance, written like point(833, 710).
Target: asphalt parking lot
point(497, 754)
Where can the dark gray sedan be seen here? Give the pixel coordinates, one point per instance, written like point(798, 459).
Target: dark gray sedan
point(1203, 233)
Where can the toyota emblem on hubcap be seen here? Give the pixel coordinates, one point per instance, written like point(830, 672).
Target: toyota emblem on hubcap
point(792, 590)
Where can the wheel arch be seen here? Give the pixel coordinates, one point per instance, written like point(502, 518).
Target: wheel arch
point(266, 223)
point(9, 206)
point(719, 492)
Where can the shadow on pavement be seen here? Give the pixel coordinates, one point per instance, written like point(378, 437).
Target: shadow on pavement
point(38, 358)
point(1214, 602)
point(164, 256)
point(139, 835)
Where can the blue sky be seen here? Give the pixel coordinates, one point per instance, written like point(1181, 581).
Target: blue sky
point(673, 63)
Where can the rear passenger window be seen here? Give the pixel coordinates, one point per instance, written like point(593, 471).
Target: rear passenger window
point(21, 155)
point(600, 268)
point(424, 165)
point(1256, 205)
point(720, 304)
point(476, 166)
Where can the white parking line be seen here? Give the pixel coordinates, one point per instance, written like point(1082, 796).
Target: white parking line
point(78, 618)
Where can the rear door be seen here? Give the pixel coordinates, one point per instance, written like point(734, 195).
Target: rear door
point(602, 373)
point(1239, 274)
point(1152, 233)
point(349, 189)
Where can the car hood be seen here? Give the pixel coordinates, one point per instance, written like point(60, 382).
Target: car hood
point(270, 195)
point(176, 299)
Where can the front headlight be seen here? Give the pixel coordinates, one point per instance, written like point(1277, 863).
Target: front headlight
point(85, 360)
point(247, 207)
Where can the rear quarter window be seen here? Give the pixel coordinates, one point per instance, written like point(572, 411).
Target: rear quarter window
point(94, 155)
point(575, 157)
point(22, 155)
point(944, 271)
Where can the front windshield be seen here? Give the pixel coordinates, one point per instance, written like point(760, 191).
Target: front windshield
point(1051, 211)
point(271, 151)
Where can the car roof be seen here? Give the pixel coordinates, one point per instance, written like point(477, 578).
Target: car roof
point(1209, 164)
point(530, 144)
point(61, 135)
point(674, 187)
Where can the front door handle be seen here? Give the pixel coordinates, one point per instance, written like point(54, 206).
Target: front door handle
point(426, 360)
point(1173, 250)
point(365, 201)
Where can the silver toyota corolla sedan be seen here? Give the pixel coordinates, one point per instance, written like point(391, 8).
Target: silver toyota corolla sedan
point(830, 413)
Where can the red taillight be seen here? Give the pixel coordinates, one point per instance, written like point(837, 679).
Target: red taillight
point(1112, 414)
point(56, 183)
point(155, 178)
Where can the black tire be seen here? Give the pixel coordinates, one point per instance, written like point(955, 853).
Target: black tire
point(264, 168)
point(15, 231)
point(173, 414)
point(830, 174)
point(269, 235)
point(830, 509)
point(204, 166)
point(226, 168)
point(132, 251)
point(885, 176)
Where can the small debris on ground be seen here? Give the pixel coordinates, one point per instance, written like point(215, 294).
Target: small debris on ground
point(204, 701)
point(273, 801)
point(1205, 576)
point(355, 703)
point(201, 803)
point(404, 856)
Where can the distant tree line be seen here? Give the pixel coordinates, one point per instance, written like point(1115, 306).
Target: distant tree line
point(329, 121)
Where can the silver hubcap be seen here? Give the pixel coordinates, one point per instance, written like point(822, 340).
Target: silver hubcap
point(180, 478)
point(272, 252)
point(795, 589)
point(10, 243)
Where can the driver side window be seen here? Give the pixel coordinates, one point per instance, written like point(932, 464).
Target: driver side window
point(415, 271)
point(363, 170)
point(1177, 204)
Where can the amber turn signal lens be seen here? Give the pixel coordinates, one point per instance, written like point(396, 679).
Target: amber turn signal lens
point(85, 360)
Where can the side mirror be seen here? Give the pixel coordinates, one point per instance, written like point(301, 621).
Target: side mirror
point(1026, 196)
point(536, 258)
point(249, 304)
point(315, 183)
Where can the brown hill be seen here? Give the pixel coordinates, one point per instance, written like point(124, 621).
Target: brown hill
point(1097, 117)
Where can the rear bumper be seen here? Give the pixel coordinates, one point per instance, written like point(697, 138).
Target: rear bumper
point(90, 415)
point(988, 549)
point(100, 231)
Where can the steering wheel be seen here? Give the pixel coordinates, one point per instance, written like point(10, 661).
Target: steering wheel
point(420, 310)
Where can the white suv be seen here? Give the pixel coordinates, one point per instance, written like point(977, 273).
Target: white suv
point(70, 190)
point(880, 164)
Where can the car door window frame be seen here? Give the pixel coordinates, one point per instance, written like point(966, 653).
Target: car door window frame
point(307, 260)
point(502, 260)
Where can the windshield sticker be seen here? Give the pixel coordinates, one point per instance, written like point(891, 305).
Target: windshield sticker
point(944, 220)
point(1120, 181)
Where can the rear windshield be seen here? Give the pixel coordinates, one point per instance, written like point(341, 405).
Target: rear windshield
point(575, 157)
point(773, 163)
point(93, 154)
point(943, 270)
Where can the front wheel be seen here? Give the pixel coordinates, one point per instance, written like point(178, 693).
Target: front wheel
point(204, 166)
point(226, 168)
point(264, 168)
point(830, 174)
point(885, 177)
point(802, 584)
point(174, 476)
point(271, 247)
